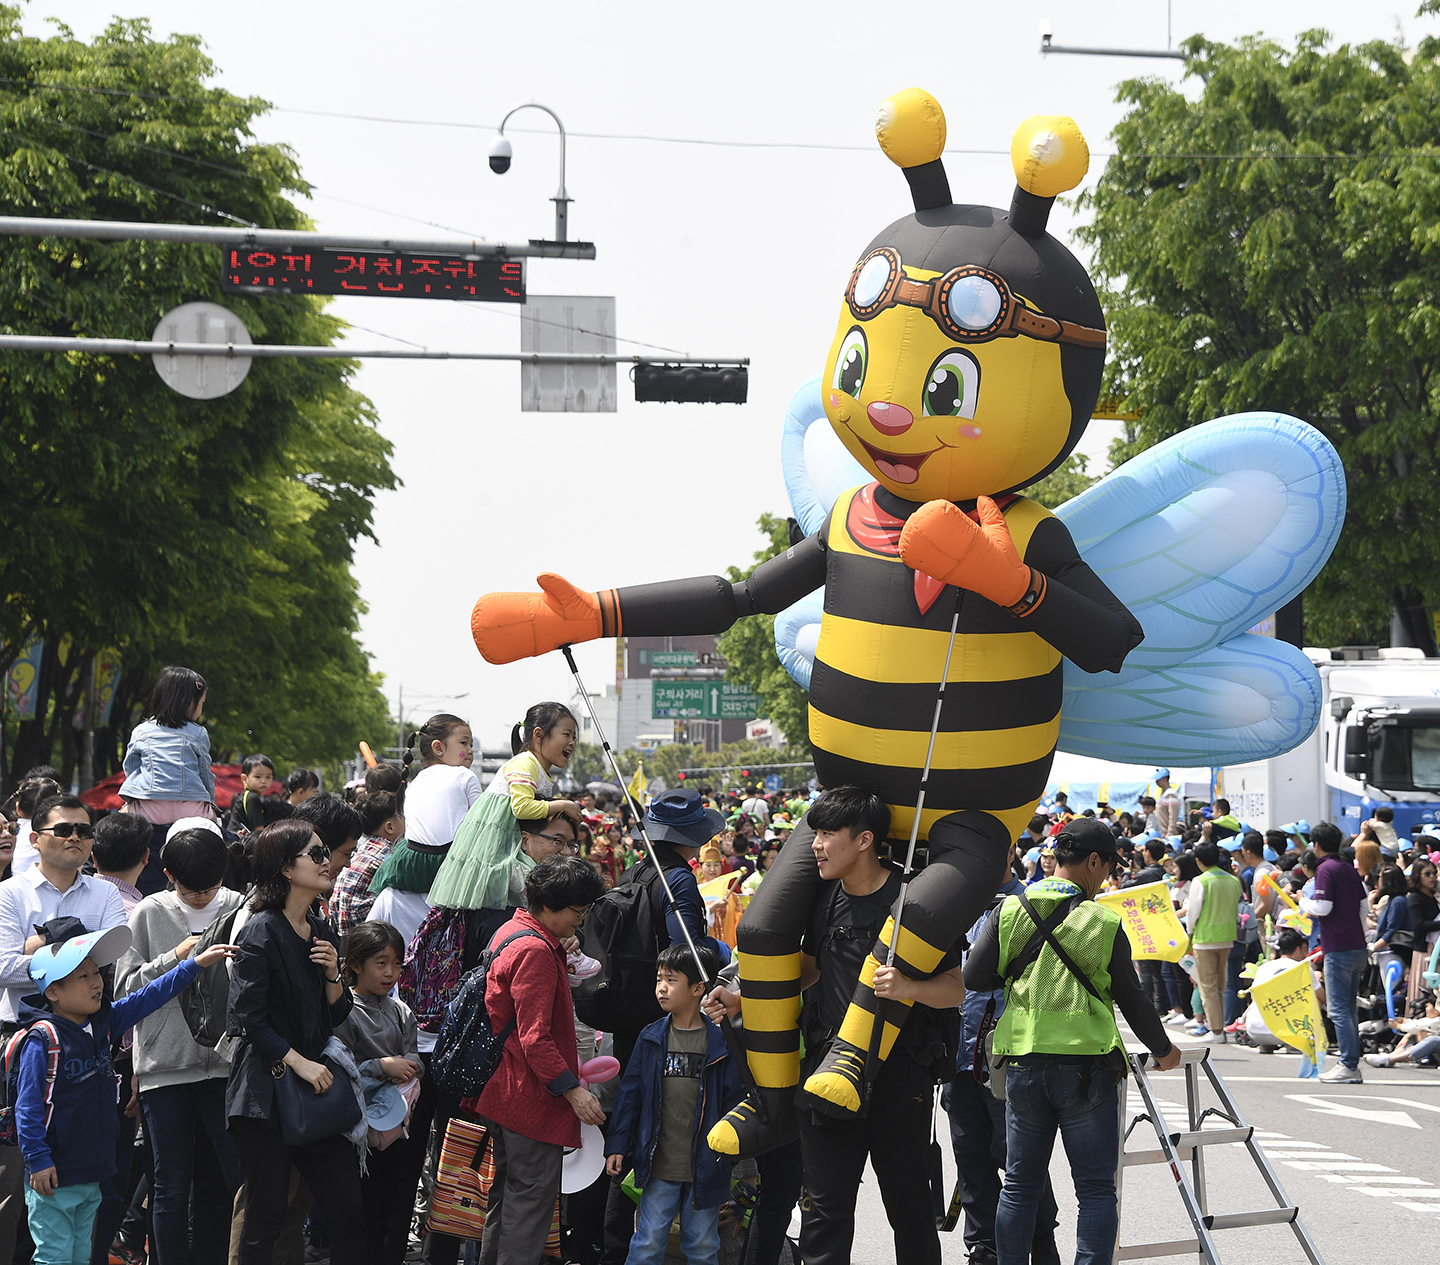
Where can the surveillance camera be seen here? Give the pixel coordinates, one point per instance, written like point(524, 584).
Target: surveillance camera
point(1046, 30)
point(500, 152)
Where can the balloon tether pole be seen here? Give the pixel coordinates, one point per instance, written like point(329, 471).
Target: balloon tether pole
point(637, 810)
point(872, 1057)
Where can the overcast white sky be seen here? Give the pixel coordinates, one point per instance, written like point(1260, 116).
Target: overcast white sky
point(710, 249)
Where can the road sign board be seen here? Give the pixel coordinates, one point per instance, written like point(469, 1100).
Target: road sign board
point(702, 700)
point(202, 377)
point(352, 270)
point(735, 702)
point(672, 658)
point(772, 783)
point(678, 700)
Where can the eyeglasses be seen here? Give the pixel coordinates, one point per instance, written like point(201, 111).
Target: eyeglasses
point(186, 894)
point(567, 845)
point(318, 853)
point(64, 829)
point(971, 304)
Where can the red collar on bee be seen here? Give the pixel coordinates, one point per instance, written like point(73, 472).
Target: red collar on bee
point(877, 530)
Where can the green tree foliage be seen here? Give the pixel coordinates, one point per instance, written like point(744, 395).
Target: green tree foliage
point(1270, 239)
point(1062, 484)
point(214, 533)
point(749, 650)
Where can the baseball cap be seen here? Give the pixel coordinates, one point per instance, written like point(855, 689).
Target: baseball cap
point(192, 823)
point(1159, 773)
point(1086, 834)
point(52, 963)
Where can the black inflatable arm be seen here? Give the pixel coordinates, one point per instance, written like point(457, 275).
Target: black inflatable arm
point(710, 603)
point(1079, 616)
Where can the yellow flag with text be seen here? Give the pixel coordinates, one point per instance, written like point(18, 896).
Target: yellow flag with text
point(1288, 1004)
point(1150, 921)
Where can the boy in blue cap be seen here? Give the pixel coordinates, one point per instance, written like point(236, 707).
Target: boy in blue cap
point(65, 1105)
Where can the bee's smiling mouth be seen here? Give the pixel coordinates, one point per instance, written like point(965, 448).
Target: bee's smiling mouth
point(900, 467)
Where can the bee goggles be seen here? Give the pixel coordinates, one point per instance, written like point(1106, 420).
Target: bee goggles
point(971, 304)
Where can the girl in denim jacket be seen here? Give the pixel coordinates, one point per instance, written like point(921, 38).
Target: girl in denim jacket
point(167, 763)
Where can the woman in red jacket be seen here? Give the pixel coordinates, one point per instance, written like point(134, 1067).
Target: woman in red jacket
point(535, 1103)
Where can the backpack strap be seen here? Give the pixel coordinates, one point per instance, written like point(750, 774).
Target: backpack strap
point(51, 1038)
point(1044, 933)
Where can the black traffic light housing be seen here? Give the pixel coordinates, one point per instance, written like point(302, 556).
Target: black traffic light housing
point(691, 384)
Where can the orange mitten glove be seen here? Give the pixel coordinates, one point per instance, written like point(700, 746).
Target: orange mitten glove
point(510, 626)
point(945, 542)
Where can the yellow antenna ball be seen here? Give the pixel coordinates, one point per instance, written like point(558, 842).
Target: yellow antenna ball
point(1049, 154)
point(911, 128)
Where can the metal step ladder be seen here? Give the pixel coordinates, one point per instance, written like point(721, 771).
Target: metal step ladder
point(1176, 1148)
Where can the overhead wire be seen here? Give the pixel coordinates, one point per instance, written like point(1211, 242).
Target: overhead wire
point(1412, 152)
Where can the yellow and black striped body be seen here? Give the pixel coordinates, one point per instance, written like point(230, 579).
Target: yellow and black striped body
point(878, 664)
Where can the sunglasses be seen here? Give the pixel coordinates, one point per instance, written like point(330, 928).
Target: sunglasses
point(64, 829)
point(971, 304)
point(318, 853)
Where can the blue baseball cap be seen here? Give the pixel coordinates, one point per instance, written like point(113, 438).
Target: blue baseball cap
point(1159, 773)
point(385, 1106)
point(52, 963)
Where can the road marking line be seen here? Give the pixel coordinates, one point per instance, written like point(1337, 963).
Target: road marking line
point(1358, 1180)
point(1420, 1207)
point(1386, 1193)
point(1338, 1165)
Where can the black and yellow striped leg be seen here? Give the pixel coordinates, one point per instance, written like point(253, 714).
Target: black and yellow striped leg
point(837, 1086)
point(769, 959)
point(967, 864)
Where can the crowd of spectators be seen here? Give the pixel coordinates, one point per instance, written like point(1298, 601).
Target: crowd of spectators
point(270, 981)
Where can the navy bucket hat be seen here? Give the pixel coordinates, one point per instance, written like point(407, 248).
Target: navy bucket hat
point(681, 817)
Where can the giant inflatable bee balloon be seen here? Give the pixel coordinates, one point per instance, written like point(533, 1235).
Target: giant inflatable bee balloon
point(965, 366)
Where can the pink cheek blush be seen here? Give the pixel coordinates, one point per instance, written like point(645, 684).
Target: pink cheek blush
point(968, 431)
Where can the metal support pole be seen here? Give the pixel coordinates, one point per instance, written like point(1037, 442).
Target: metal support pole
point(561, 199)
point(136, 231)
point(732, 1039)
point(274, 351)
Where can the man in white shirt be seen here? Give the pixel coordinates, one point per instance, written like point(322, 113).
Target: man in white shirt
point(52, 888)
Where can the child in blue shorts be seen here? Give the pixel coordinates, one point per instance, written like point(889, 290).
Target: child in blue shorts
point(65, 1105)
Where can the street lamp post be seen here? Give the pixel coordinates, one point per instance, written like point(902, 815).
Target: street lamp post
point(500, 152)
point(423, 698)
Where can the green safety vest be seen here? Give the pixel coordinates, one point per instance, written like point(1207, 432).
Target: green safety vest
point(1219, 910)
point(1047, 1010)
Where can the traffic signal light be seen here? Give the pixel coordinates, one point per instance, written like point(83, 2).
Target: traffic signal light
point(745, 773)
point(682, 777)
point(691, 384)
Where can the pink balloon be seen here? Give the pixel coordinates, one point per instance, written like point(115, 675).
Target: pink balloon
point(598, 1070)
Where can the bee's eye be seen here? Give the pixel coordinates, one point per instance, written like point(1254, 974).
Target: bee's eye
point(851, 363)
point(953, 385)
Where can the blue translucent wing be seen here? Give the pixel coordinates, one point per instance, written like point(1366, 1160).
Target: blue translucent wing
point(817, 467)
point(1203, 537)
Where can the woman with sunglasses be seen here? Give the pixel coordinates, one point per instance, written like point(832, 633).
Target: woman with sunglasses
point(286, 998)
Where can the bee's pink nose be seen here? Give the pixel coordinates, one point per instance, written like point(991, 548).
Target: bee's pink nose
point(889, 419)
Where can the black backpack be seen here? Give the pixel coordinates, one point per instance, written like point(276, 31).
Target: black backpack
point(624, 932)
point(205, 1002)
point(467, 1051)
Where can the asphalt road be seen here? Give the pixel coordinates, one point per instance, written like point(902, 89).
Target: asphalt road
point(1361, 1161)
